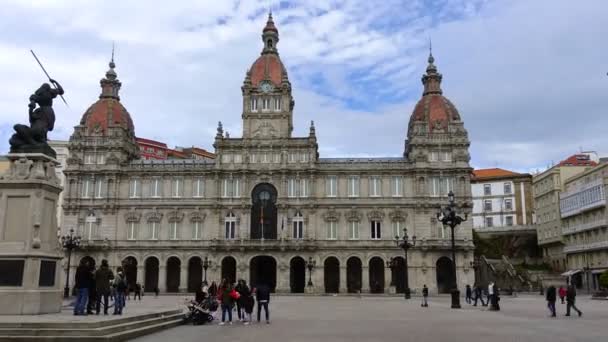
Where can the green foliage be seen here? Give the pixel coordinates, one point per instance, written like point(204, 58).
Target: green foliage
point(604, 280)
point(496, 247)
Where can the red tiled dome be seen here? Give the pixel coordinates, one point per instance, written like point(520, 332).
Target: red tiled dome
point(267, 67)
point(107, 112)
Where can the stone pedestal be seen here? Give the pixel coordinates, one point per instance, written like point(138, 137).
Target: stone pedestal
point(392, 289)
point(30, 254)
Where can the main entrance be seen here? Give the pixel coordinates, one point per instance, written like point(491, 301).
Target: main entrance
point(264, 212)
point(263, 270)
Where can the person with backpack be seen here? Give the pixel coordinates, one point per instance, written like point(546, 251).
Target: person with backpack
point(262, 295)
point(120, 284)
point(425, 295)
point(103, 277)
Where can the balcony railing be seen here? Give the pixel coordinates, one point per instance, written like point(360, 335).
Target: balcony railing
point(584, 227)
point(586, 247)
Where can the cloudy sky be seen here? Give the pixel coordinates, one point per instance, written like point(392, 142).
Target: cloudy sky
point(529, 77)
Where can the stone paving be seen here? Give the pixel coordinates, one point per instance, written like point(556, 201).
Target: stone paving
point(369, 319)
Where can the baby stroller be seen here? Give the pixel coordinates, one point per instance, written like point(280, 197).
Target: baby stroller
point(198, 313)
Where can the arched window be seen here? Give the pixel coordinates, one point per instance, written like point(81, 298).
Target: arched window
point(298, 226)
point(254, 104)
point(230, 225)
point(90, 226)
point(269, 43)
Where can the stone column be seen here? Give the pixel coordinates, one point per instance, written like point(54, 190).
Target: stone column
point(365, 279)
point(183, 277)
point(30, 252)
point(343, 279)
point(388, 288)
point(140, 273)
point(162, 278)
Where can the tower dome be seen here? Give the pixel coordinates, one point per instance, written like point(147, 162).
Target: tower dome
point(268, 67)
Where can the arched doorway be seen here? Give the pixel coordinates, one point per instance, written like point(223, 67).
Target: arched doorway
point(151, 274)
point(173, 274)
point(229, 269)
point(297, 275)
point(195, 273)
point(376, 275)
point(445, 275)
point(129, 266)
point(331, 275)
point(264, 212)
point(263, 270)
point(398, 274)
point(353, 274)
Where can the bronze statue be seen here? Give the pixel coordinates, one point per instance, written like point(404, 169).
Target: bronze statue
point(33, 139)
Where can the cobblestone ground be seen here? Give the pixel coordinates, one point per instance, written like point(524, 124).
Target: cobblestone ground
point(369, 319)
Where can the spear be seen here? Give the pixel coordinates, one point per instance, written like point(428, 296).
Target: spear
point(47, 74)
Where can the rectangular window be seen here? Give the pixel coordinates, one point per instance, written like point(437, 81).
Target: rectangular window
point(156, 187)
point(397, 186)
point(89, 158)
point(489, 221)
point(434, 156)
point(134, 188)
point(253, 158)
point(173, 232)
point(132, 231)
point(266, 104)
point(332, 230)
point(487, 205)
point(446, 156)
point(509, 220)
point(177, 187)
point(304, 157)
point(101, 159)
point(441, 186)
point(487, 189)
point(397, 229)
point(226, 187)
point(354, 230)
point(291, 188)
point(236, 188)
point(331, 186)
point(154, 230)
point(87, 188)
point(197, 187)
point(277, 104)
point(508, 204)
point(254, 104)
point(277, 158)
point(89, 230)
point(99, 188)
point(238, 159)
point(230, 230)
point(507, 188)
point(375, 187)
point(293, 157)
point(197, 230)
point(376, 231)
point(303, 187)
point(353, 186)
point(298, 229)
point(226, 158)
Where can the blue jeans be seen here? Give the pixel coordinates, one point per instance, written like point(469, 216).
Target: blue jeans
point(228, 309)
point(119, 302)
point(81, 301)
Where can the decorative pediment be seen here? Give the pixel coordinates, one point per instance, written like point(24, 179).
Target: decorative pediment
point(353, 216)
point(196, 216)
point(375, 215)
point(112, 159)
point(397, 216)
point(331, 216)
point(175, 216)
point(132, 216)
point(153, 216)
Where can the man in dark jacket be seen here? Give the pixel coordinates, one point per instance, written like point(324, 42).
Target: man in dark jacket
point(479, 295)
point(468, 294)
point(262, 295)
point(570, 300)
point(83, 282)
point(551, 298)
point(425, 295)
point(103, 277)
point(92, 291)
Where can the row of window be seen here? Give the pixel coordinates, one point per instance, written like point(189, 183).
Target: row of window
point(94, 158)
point(156, 186)
point(265, 104)
point(583, 199)
point(436, 156)
point(508, 205)
point(266, 157)
point(490, 221)
point(487, 189)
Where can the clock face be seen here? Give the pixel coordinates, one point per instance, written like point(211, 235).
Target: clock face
point(266, 87)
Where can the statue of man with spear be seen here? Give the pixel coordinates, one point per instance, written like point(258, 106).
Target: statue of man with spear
point(33, 138)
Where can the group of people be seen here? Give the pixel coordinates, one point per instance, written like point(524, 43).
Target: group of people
point(94, 285)
point(239, 297)
point(492, 294)
point(568, 293)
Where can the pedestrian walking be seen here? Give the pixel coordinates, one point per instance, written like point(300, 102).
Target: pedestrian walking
point(551, 298)
point(82, 285)
point(239, 307)
point(246, 302)
point(425, 295)
point(562, 294)
point(262, 295)
point(492, 296)
point(227, 298)
point(469, 294)
point(103, 277)
point(137, 293)
point(120, 285)
point(156, 291)
point(571, 301)
point(479, 295)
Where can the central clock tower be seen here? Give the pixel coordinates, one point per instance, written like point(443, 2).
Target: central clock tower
point(267, 101)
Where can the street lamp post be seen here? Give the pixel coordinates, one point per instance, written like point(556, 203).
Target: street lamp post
point(447, 216)
point(206, 264)
point(405, 244)
point(69, 243)
point(311, 265)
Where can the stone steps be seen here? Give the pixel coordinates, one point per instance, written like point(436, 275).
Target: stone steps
point(120, 329)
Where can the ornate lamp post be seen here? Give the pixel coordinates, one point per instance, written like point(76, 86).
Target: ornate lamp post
point(69, 243)
point(447, 216)
point(405, 244)
point(311, 265)
point(206, 264)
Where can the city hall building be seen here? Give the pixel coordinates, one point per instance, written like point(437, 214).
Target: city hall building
point(268, 206)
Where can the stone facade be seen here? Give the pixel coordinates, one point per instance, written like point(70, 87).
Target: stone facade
point(268, 203)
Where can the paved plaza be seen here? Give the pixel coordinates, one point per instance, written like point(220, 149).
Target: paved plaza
point(524, 318)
